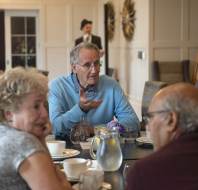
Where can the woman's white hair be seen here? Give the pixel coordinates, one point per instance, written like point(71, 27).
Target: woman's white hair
point(18, 82)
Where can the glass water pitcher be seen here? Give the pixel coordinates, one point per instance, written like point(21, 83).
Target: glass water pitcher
point(108, 154)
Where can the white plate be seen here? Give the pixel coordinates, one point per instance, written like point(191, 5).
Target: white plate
point(144, 140)
point(67, 153)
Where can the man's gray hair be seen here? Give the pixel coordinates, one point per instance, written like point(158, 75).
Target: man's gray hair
point(186, 108)
point(74, 54)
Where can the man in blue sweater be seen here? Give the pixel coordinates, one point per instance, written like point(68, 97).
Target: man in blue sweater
point(86, 94)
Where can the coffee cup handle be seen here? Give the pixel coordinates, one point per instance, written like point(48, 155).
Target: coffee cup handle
point(89, 163)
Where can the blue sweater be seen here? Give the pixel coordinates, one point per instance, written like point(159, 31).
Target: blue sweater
point(64, 110)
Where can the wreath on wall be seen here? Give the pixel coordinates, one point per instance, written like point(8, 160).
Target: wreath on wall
point(110, 20)
point(128, 19)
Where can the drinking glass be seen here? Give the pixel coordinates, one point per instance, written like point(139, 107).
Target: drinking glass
point(126, 169)
point(81, 131)
point(129, 135)
point(91, 180)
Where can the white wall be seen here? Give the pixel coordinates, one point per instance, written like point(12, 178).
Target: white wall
point(59, 25)
point(133, 72)
point(174, 30)
point(62, 26)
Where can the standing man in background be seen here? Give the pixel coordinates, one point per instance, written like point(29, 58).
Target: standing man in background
point(86, 28)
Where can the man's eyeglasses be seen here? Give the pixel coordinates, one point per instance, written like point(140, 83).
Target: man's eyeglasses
point(149, 115)
point(87, 66)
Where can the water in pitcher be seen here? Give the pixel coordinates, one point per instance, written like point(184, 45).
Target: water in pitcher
point(109, 154)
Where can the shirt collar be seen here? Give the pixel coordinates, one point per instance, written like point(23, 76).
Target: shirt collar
point(87, 36)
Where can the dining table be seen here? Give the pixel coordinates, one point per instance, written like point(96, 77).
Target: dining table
point(131, 152)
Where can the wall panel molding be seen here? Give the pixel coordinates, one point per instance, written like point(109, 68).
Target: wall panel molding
point(176, 42)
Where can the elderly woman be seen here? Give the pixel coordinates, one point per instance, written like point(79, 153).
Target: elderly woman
point(25, 162)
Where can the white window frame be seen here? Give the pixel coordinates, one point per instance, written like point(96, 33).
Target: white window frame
point(23, 13)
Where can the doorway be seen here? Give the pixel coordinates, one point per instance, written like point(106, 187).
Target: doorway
point(21, 38)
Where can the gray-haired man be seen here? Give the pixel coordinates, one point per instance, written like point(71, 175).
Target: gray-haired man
point(84, 93)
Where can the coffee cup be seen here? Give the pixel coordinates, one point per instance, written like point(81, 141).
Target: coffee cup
point(56, 148)
point(73, 167)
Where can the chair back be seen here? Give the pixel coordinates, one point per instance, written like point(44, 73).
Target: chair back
point(150, 89)
point(113, 73)
point(171, 72)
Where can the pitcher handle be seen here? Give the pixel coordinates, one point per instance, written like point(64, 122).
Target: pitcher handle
point(91, 150)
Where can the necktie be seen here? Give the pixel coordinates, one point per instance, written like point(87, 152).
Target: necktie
point(87, 39)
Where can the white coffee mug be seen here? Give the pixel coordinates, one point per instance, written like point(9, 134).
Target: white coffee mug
point(73, 167)
point(56, 148)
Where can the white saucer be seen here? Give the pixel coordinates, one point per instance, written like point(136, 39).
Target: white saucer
point(94, 165)
point(144, 140)
point(105, 185)
point(73, 179)
point(67, 153)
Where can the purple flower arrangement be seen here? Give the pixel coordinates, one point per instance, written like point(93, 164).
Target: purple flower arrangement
point(114, 125)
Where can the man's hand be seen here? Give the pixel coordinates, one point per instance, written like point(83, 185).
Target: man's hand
point(86, 104)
